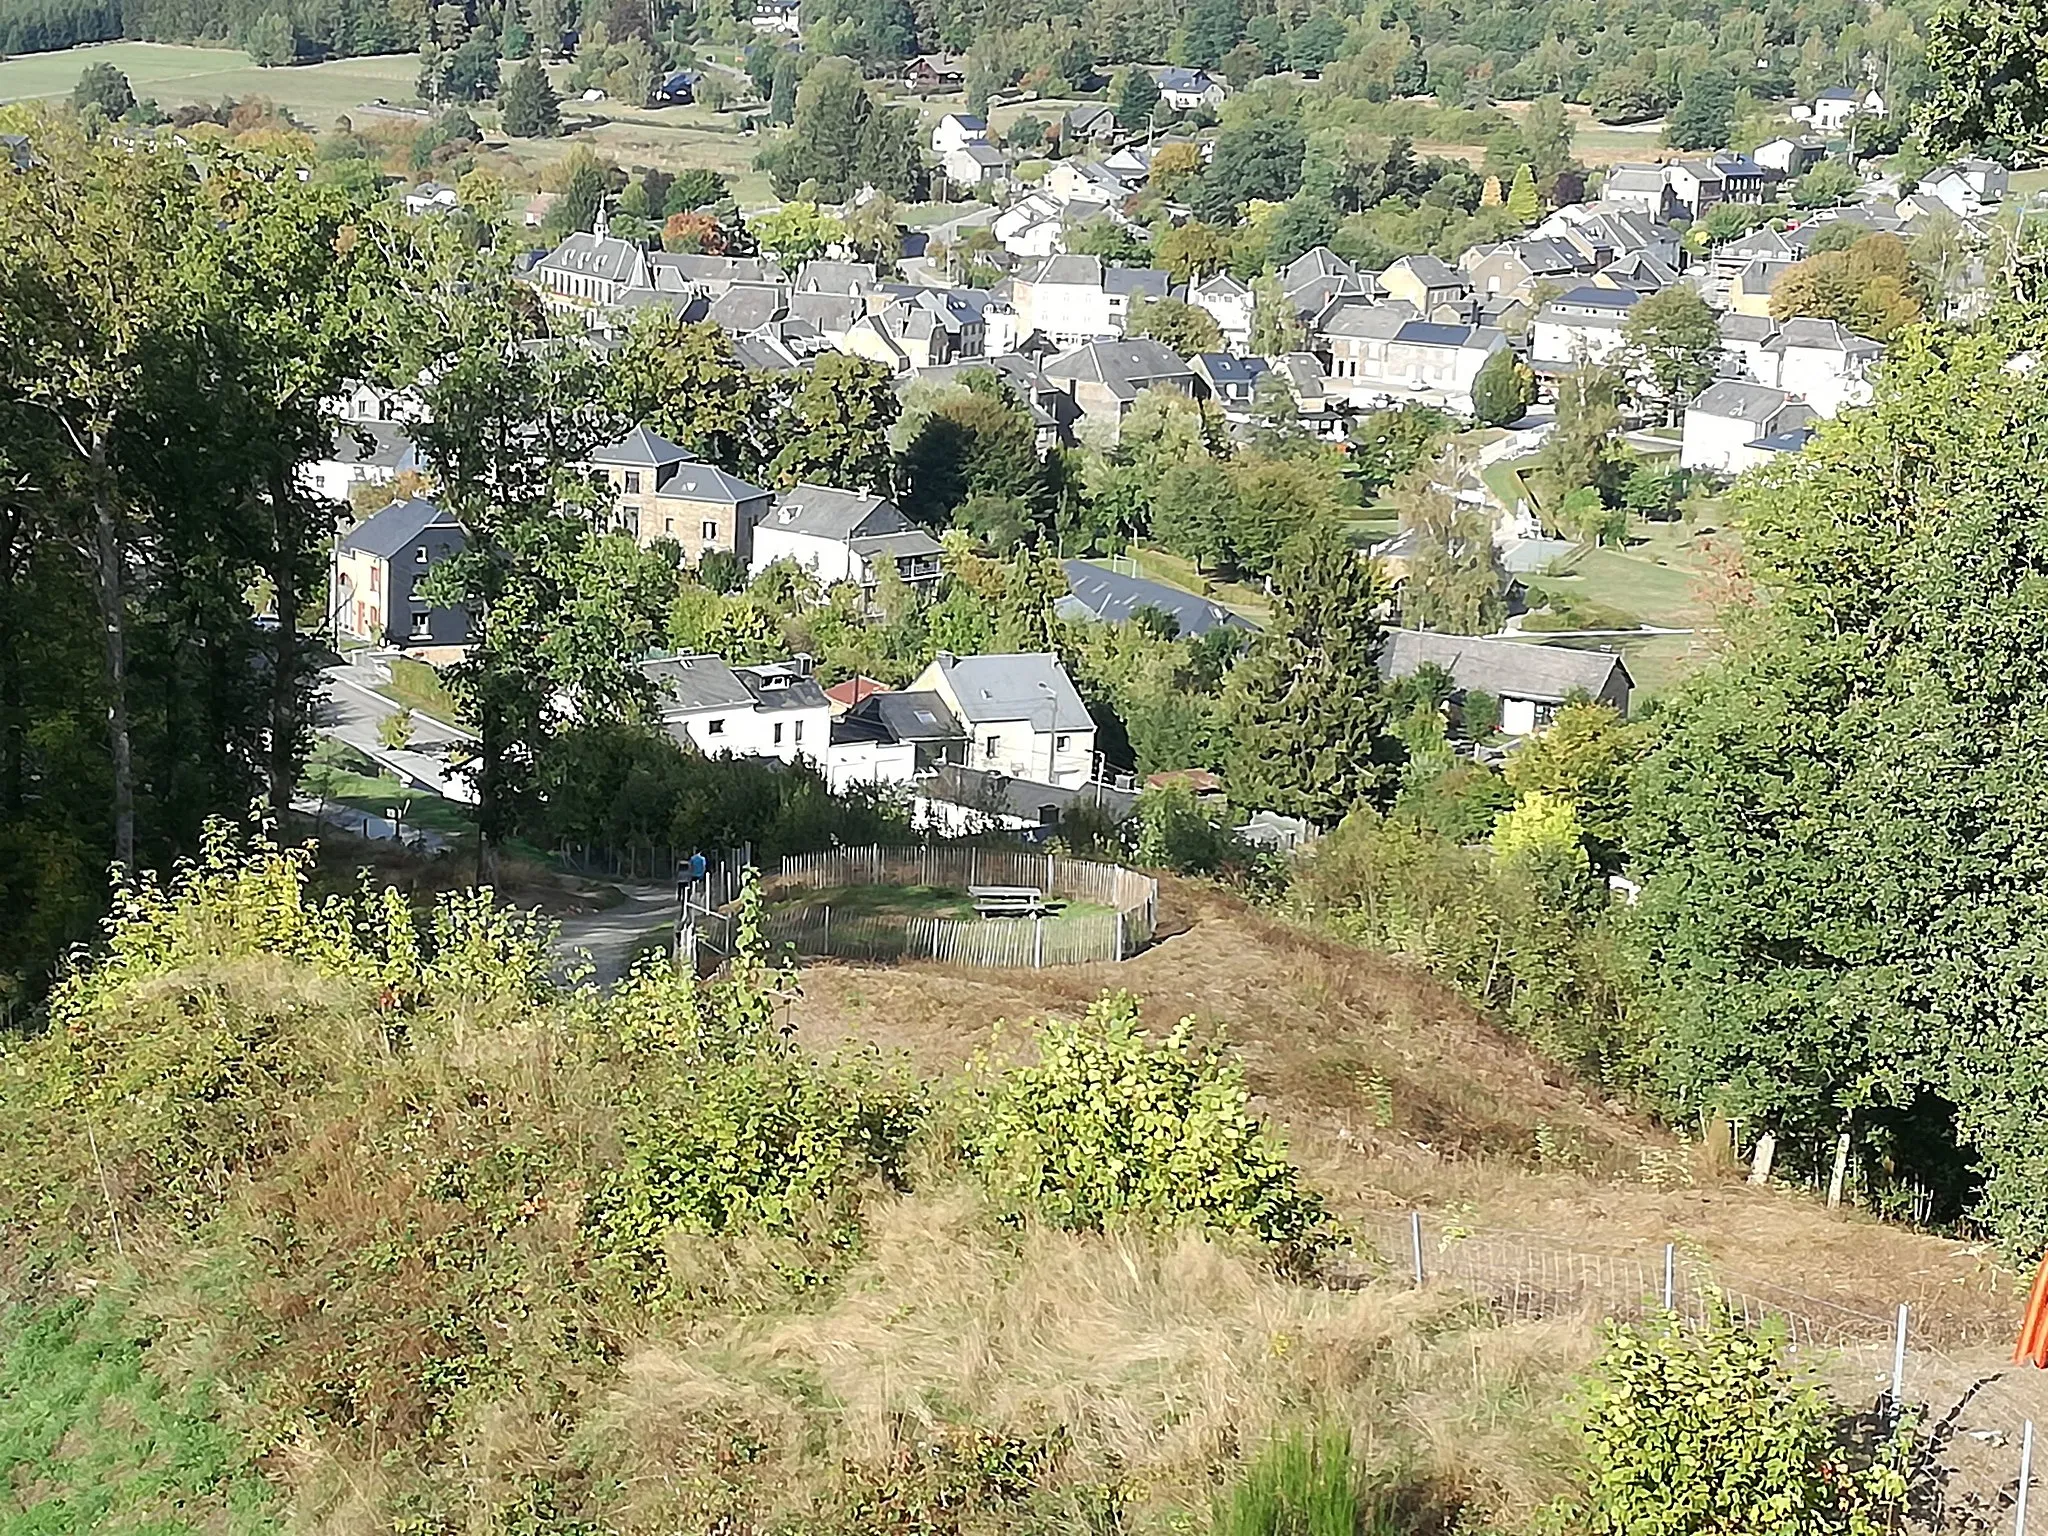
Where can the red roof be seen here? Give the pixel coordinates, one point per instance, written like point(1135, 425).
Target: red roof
point(853, 690)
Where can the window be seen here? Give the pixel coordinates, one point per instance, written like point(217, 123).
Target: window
point(414, 589)
point(799, 733)
point(714, 728)
point(778, 733)
point(988, 748)
point(1059, 743)
point(376, 574)
point(632, 482)
point(419, 555)
point(422, 625)
point(710, 531)
point(668, 525)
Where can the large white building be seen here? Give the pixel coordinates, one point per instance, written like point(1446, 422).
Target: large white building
point(1072, 300)
point(1022, 715)
point(774, 711)
point(844, 536)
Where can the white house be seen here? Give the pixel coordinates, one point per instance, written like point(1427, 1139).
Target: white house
point(1584, 325)
point(1791, 158)
point(1022, 715)
point(844, 536)
point(1084, 181)
point(956, 130)
point(1729, 427)
point(1071, 300)
point(1967, 188)
point(1229, 303)
point(431, 197)
point(1186, 90)
point(1821, 363)
point(1833, 107)
point(1035, 226)
point(974, 165)
point(1376, 355)
point(893, 737)
point(775, 710)
point(1532, 682)
point(778, 16)
point(365, 453)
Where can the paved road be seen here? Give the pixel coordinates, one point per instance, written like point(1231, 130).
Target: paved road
point(614, 936)
point(349, 709)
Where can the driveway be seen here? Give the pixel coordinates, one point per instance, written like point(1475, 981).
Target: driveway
point(349, 709)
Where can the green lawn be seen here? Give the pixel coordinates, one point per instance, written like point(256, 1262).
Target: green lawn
point(175, 75)
point(92, 1440)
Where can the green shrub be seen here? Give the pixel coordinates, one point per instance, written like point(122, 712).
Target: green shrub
point(418, 686)
point(1178, 832)
point(1297, 1487)
point(1703, 1428)
point(1111, 1125)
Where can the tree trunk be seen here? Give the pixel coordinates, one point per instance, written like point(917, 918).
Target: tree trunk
point(13, 713)
point(286, 707)
point(107, 553)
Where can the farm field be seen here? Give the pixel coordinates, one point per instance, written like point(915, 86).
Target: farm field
point(176, 75)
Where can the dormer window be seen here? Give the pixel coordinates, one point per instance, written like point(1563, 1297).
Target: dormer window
point(420, 555)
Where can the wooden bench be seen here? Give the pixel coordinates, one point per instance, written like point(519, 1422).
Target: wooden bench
point(1007, 900)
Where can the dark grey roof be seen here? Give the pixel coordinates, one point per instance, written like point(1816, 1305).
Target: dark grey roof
point(1125, 366)
point(1030, 686)
point(780, 686)
point(388, 445)
point(1429, 334)
point(1739, 401)
point(898, 543)
point(640, 449)
point(397, 527)
point(1792, 441)
point(749, 306)
point(1432, 272)
point(1113, 598)
point(977, 789)
point(1148, 281)
point(1510, 669)
point(1738, 327)
point(1227, 368)
point(690, 683)
point(1592, 296)
point(1822, 335)
point(906, 715)
point(592, 255)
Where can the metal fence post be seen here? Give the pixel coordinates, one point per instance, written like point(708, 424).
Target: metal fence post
point(1899, 1365)
point(1670, 1277)
point(2019, 1508)
point(1415, 1242)
point(1038, 943)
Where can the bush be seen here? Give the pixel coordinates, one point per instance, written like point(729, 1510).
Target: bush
point(1179, 833)
point(1703, 1428)
point(1111, 1125)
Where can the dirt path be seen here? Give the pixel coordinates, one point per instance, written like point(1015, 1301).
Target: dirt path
point(613, 937)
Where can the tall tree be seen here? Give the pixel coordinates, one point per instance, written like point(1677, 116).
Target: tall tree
point(1990, 84)
point(1455, 582)
point(90, 277)
point(1309, 716)
point(1522, 201)
point(833, 428)
point(1672, 344)
point(1705, 115)
point(1839, 829)
point(1137, 95)
point(528, 103)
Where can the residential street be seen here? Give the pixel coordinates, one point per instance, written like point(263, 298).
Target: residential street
point(349, 710)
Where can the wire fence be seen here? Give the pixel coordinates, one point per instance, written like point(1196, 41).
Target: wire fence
point(1950, 1366)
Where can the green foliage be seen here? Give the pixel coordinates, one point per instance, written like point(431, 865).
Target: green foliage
point(1871, 287)
point(394, 731)
point(1673, 343)
point(1526, 934)
point(1178, 832)
point(1989, 89)
point(1112, 1126)
point(1522, 200)
point(731, 1127)
point(1583, 759)
point(1502, 390)
point(1705, 115)
point(1177, 323)
point(92, 1439)
point(1697, 1428)
point(1300, 1486)
point(1259, 153)
point(1309, 716)
point(104, 88)
point(1842, 852)
point(1136, 95)
point(1455, 583)
point(528, 103)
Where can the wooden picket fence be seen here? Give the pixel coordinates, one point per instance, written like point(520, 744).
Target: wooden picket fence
point(815, 930)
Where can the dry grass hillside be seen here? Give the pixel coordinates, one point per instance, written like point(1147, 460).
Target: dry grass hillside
point(1395, 1095)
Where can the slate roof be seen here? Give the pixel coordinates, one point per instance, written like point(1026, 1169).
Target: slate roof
point(389, 446)
point(826, 513)
point(592, 255)
point(777, 686)
point(1225, 370)
point(1024, 799)
point(1737, 400)
point(1430, 272)
point(1096, 592)
point(1030, 686)
point(1125, 367)
point(903, 715)
point(688, 684)
point(1745, 328)
point(1792, 441)
point(640, 449)
point(1591, 296)
point(397, 527)
point(1822, 335)
point(1148, 282)
point(836, 277)
point(1509, 669)
point(749, 306)
point(1174, 77)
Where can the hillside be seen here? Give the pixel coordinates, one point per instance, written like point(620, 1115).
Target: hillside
point(382, 1232)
